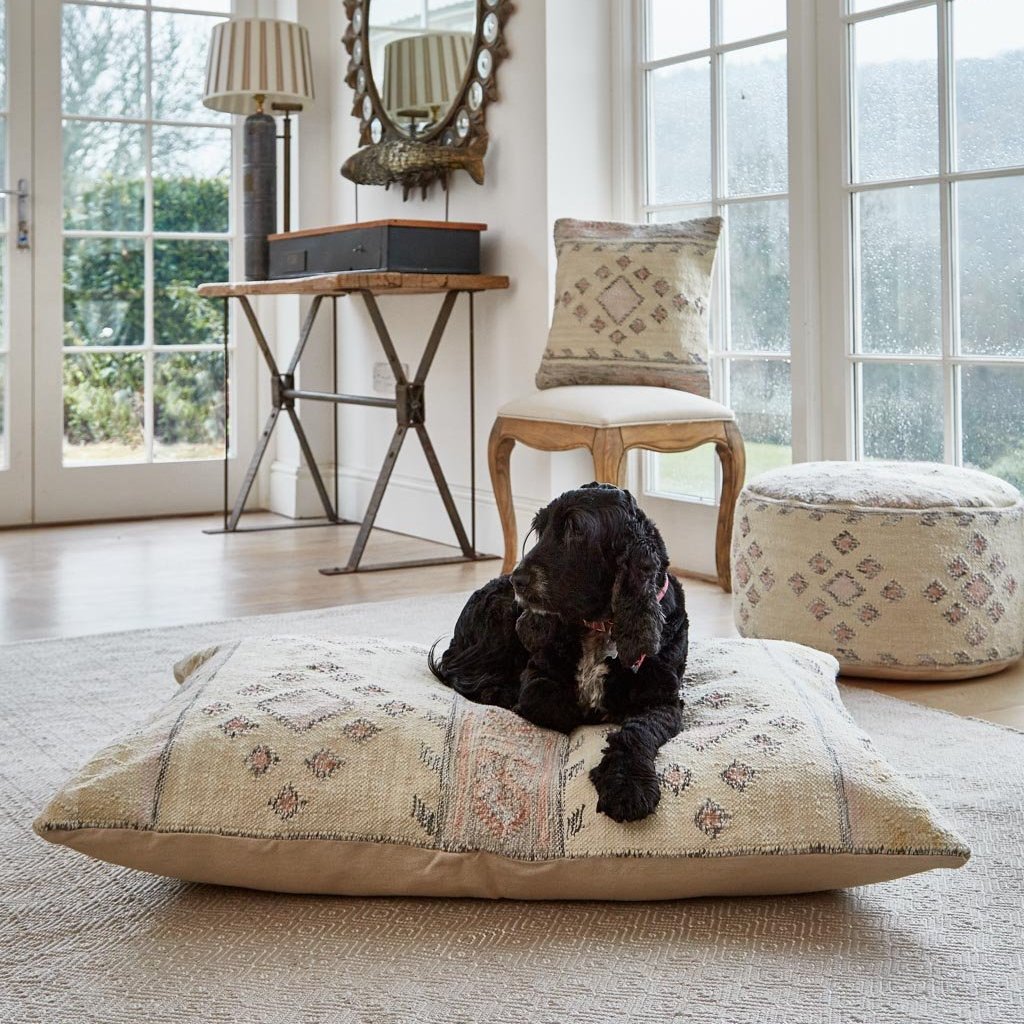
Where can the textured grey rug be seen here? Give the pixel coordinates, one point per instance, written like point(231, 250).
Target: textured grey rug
point(85, 941)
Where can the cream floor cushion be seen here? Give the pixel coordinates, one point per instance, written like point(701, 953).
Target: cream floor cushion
point(614, 405)
point(343, 766)
point(901, 570)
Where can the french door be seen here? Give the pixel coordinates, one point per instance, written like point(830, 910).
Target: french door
point(111, 368)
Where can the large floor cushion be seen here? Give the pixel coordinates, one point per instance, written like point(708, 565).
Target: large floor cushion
point(343, 766)
point(901, 570)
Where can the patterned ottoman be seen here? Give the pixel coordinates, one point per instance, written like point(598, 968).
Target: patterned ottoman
point(903, 570)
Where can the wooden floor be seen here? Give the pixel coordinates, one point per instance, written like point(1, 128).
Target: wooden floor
point(72, 580)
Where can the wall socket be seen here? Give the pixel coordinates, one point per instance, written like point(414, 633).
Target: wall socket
point(384, 379)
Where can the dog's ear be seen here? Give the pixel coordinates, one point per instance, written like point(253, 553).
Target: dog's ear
point(536, 631)
point(640, 571)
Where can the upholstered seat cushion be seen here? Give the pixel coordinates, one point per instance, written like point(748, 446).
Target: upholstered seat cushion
point(610, 405)
point(344, 766)
point(899, 569)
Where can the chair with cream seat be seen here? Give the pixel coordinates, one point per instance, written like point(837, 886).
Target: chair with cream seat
point(610, 420)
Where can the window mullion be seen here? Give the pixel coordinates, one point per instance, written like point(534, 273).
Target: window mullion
point(951, 419)
point(148, 337)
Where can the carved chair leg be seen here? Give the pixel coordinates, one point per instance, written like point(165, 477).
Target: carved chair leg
point(732, 455)
point(609, 455)
point(499, 453)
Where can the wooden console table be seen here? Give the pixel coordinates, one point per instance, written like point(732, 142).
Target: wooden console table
point(408, 402)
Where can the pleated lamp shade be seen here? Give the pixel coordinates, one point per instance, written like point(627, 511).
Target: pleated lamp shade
point(425, 72)
point(257, 56)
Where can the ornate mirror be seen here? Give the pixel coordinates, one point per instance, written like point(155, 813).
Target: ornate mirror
point(423, 72)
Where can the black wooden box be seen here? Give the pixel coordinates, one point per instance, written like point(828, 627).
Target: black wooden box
point(409, 246)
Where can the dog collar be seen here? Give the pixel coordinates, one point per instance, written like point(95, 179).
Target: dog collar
point(605, 625)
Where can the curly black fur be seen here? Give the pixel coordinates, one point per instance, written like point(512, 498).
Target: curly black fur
point(525, 642)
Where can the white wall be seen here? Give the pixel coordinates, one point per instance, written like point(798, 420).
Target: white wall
point(549, 157)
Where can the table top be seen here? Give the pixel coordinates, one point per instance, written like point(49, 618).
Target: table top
point(379, 282)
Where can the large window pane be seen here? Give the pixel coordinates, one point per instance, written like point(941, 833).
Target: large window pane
point(188, 406)
point(180, 43)
point(745, 19)
point(755, 114)
point(103, 408)
point(103, 61)
point(988, 47)
point(758, 239)
point(991, 266)
point(992, 407)
point(901, 409)
point(104, 291)
point(680, 142)
point(191, 179)
point(686, 474)
point(678, 26)
point(900, 271)
point(3, 411)
point(104, 176)
point(896, 90)
point(3, 55)
point(180, 316)
point(759, 392)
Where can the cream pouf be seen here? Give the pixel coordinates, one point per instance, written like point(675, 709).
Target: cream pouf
point(900, 569)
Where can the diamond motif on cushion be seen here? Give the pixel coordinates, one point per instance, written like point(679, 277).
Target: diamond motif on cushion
point(675, 777)
point(819, 609)
point(844, 588)
point(396, 708)
point(712, 819)
point(765, 743)
point(370, 690)
point(819, 564)
point(580, 312)
point(620, 300)
point(714, 699)
point(324, 763)
point(661, 287)
point(1010, 585)
point(997, 564)
point(238, 726)
point(934, 592)
point(955, 614)
point(707, 734)
point(977, 545)
point(753, 595)
point(892, 591)
point(744, 526)
point(360, 730)
point(738, 775)
point(976, 634)
point(786, 722)
point(742, 571)
point(252, 689)
point(767, 578)
point(843, 632)
point(797, 583)
point(215, 708)
point(869, 567)
point(261, 759)
point(754, 550)
point(660, 314)
point(680, 302)
point(995, 611)
point(616, 337)
point(978, 590)
point(287, 803)
point(623, 262)
point(641, 274)
point(637, 326)
point(867, 613)
point(958, 567)
point(582, 285)
point(845, 542)
point(602, 273)
point(597, 325)
point(302, 709)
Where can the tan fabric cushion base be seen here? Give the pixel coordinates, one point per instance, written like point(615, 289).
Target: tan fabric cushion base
point(330, 867)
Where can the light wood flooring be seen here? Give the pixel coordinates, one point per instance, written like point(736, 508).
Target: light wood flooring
point(64, 581)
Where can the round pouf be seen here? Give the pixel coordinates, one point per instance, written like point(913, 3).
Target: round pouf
point(903, 570)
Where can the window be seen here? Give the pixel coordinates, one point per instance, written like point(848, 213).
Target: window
point(915, 146)
point(147, 216)
point(714, 97)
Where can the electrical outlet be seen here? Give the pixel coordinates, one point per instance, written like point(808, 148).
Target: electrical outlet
point(384, 379)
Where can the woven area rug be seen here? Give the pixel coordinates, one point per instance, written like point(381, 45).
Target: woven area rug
point(86, 941)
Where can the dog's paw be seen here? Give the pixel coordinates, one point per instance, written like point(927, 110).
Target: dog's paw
point(627, 789)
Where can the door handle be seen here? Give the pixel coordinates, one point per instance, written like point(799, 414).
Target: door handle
point(22, 193)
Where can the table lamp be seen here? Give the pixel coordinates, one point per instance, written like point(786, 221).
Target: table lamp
point(255, 64)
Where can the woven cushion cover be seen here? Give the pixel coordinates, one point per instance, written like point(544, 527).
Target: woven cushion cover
point(606, 405)
point(326, 766)
point(631, 304)
point(901, 570)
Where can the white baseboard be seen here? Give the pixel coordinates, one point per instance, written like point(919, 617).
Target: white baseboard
point(293, 493)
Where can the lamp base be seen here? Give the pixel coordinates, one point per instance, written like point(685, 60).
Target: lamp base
point(259, 193)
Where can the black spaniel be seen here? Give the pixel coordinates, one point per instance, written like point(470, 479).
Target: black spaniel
point(589, 628)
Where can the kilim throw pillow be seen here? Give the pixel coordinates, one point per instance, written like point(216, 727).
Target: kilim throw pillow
point(631, 304)
point(343, 766)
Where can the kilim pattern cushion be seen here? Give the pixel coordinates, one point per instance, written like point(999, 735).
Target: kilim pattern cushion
point(327, 766)
point(631, 304)
point(902, 570)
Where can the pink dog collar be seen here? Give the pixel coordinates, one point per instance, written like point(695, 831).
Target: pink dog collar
point(605, 625)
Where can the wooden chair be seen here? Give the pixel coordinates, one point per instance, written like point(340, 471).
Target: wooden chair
point(611, 419)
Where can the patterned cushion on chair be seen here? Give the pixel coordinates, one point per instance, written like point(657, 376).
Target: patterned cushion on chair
point(899, 569)
point(631, 304)
point(607, 405)
point(343, 766)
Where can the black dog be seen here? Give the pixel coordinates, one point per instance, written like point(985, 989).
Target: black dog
point(590, 627)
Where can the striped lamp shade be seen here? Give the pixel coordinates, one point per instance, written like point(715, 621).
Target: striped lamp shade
point(250, 56)
point(425, 72)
